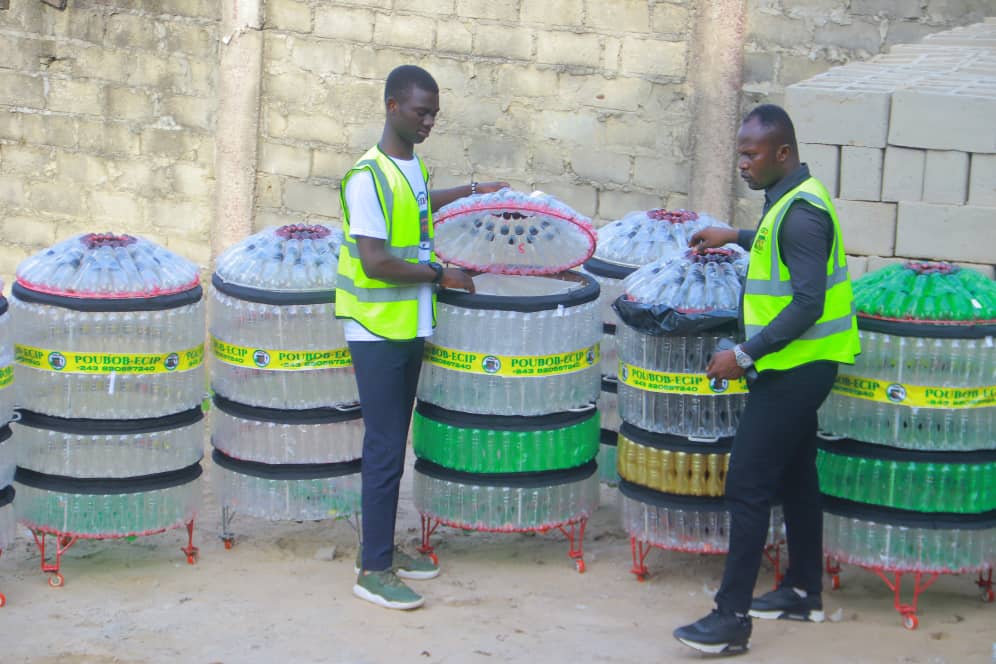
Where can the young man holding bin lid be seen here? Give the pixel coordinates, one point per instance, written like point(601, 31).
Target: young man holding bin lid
point(798, 318)
point(386, 291)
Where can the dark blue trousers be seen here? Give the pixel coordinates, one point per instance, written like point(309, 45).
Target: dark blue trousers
point(387, 376)
point(774, 459)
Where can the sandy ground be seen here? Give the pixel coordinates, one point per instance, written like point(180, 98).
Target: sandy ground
point(279, 597)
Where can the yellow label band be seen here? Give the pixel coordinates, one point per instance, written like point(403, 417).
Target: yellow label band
point(519, 366)
point(67, 361)
point(6, 376)
point(915, 396)
point(677, 383)
point(280, 360)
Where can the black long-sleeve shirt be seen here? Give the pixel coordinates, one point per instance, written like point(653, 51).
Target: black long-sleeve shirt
point(805, 239)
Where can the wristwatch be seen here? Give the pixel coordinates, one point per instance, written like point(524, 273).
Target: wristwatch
point(438, 269)
point(744, 360)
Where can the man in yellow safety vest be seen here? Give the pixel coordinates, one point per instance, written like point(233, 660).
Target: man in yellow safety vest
point(799, 324)
point(386, 292)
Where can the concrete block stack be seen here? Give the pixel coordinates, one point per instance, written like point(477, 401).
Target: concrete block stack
point(907, 144)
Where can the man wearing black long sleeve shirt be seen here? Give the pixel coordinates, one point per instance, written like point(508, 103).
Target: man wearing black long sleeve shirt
point(798, 317)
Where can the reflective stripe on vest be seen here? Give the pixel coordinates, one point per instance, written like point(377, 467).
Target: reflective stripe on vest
point(768, 290)
point(388, 310)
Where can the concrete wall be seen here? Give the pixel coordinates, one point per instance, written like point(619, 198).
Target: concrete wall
point(108, 114)
point(106, 123)
point(580, 98)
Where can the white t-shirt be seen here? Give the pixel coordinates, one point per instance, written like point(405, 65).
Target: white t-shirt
point(366, 219)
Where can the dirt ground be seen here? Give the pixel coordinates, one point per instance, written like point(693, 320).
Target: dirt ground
point(278, 596)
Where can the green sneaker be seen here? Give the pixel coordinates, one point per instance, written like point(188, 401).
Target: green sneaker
point(406, 566)
point(387, 590)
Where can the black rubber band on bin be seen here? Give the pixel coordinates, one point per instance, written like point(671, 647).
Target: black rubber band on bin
point(897, 517)
point(526, 304)
point(459, 419)
point(5, 433)
point(277, 298)
point(102, 485)
point(89, 427)
point(608, 269)
point(610, 384)
point(853, 448)
point(7, 495)
point(286, 471)
point(608, 437)
point(666, 441)
point(4, 305)
point(286, 416)
point(671, 501)
point(926, 329)
point(154, 303)
point(530, 480)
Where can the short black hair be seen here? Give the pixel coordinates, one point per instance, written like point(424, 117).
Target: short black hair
point(402, 79)
point(777, 121)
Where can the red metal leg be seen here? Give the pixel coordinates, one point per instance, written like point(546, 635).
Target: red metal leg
point(639, 549)
point(985, 583)
point(190, 550)
point(773, 553)
point(833, 569)
point(907, 611)
point(3, 600)
point(63, 544)
point(575, 537)
point(429, 526)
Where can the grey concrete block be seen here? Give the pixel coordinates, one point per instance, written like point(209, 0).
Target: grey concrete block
point(824, 163)
point(902, 175)
point(861, 173)
point(982, 180)
point(945, 177)
point(946, 232)
point(869, 229)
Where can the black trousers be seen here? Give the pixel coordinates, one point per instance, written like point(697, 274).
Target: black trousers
point(387, 377)
point(774, 459)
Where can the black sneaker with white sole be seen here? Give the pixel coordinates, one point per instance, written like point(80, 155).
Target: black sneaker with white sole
point(718, 633)
point(786, 603)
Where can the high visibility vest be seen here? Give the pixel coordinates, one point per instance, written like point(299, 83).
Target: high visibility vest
point(834, 336)
point(388, 310)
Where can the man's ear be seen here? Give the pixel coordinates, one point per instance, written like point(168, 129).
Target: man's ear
point(783, 152)
point(392, 104)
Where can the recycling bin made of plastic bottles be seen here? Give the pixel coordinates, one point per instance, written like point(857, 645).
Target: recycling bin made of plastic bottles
point(275, 340)
point(109, 346)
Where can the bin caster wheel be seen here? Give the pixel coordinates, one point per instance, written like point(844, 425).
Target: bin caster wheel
point(579, 564)
point(191, 558)
point(835, 582)
point(988, 595)
point(641, 578)
point(434, 558)
point(56, 580)
point(229, 542)
point(3, 600)
point(910, 621)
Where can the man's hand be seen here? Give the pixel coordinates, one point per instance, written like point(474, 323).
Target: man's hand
point(456, 278)
point(724, 365)
point(712, 237)
point(491, 187)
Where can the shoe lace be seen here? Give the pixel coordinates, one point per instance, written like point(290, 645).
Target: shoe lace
point(390, 579)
